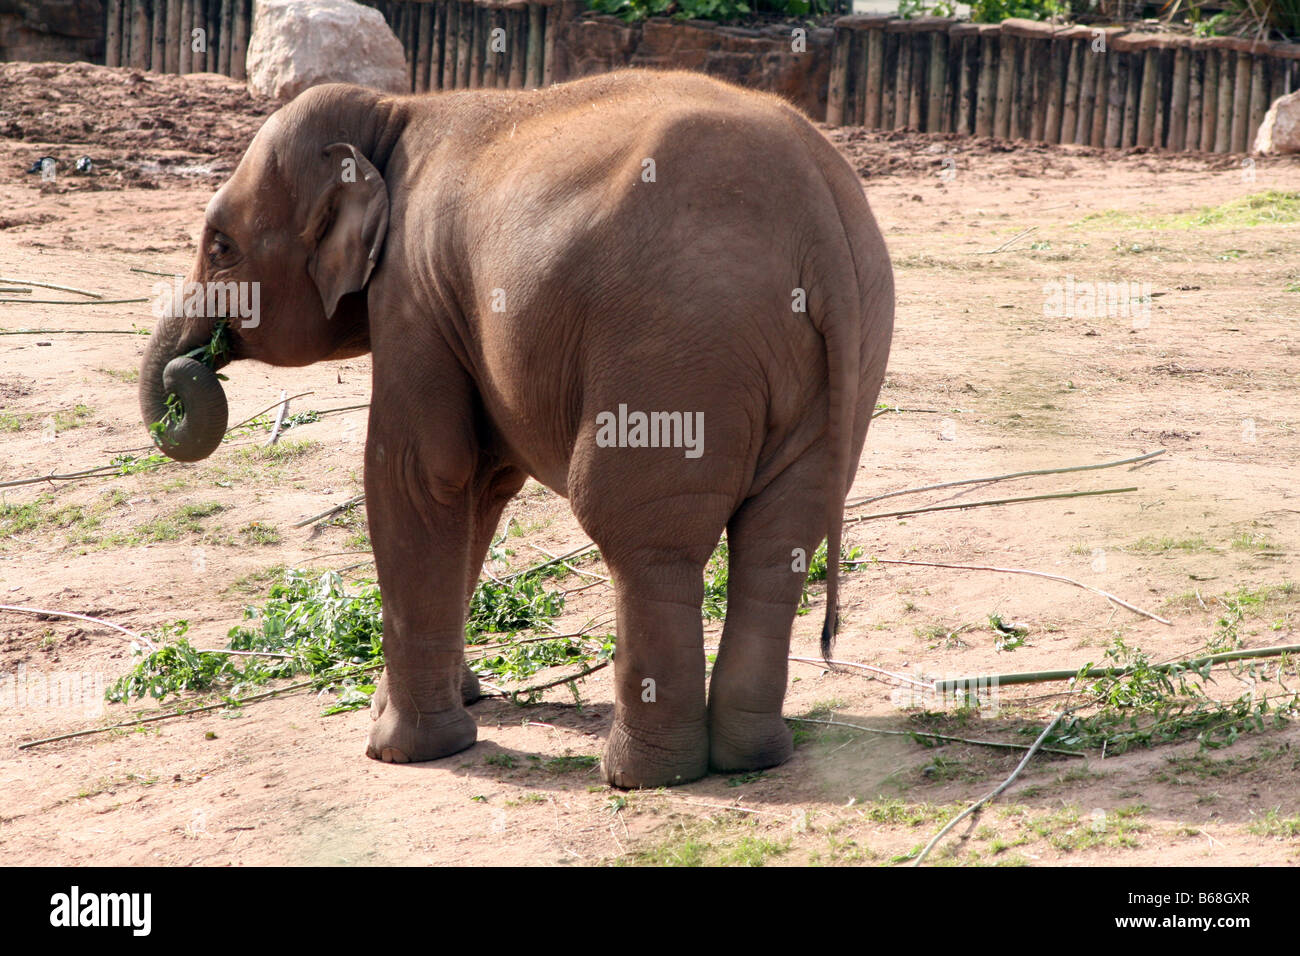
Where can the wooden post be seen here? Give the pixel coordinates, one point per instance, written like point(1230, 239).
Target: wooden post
point(140, 34)
point(113, 33)
point(452, 41)
point(934, 112)
point(965, 36)
point(875, 65)
point(465, 43)
point(241, 29)
point(1277, 79)
point(1223, 108)
point(891, 79)
point(491, 55)
point(1006, 68)
point(1259, 101)
point(158, 36)
point(517, 42)
point(184, 63)
point(536, 39)
point(929, 72)
point(1195, 84)
point(1209, 96)
point(478, 48)
point(986, 96)
point(555, 25)
point(1073, 75)
point(1146, 132)
point(902, 72)
point(1040, 68)
point(438, 48)
point(223, 39)
point(916, 93)
point(423, 47)
point(838, 83)
point(858, 73)
point(1116, 86)
point(1177, 137)
point(171, 27)
point(1059, 65)
point(1087, 93)
point(1241, 103)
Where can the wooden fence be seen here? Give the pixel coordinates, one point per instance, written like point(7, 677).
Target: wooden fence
point(1025, 80)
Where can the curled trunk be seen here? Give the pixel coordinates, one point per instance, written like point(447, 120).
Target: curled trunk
point(196, 416)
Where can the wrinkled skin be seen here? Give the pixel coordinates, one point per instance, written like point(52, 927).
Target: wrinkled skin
point(515, 271)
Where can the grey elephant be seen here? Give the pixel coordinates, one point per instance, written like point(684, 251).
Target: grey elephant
point(662, 296)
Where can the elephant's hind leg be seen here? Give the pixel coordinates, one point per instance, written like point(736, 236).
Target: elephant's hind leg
point(770, 540)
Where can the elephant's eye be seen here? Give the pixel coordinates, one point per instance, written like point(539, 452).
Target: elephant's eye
point(219, 248)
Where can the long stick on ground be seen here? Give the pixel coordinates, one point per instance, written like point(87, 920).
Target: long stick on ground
point(1007, 477)
point(996, 792)
point(921, 733)
point(329, 512)
point(50, 285)
point(80, 617)
point(74, 302)
point(1038, 574)
point(567, 556)
point(253, 698)
point(985, 504)
point(1044, 677)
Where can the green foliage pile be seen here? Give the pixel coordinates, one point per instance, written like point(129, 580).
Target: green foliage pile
point(720, 10)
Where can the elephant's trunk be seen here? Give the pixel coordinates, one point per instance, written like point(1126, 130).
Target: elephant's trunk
point(195, 419)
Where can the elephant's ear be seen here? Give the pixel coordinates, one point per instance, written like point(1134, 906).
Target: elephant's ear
point(348, 224)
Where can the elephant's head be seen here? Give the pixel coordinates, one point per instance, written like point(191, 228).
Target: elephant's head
point(288, 247)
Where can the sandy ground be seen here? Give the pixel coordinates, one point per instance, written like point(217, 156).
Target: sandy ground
point(1209, 374)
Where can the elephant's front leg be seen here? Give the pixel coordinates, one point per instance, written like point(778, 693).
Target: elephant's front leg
point(420, 503)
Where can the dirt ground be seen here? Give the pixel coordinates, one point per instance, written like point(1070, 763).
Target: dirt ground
point(989, 384)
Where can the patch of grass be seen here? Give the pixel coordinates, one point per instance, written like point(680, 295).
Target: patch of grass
point(1273, 824)
point(899, 813)
point(503, 760)
point(257, 533)
point(1165, 544)
point(1249, 541)
point(9, 422)
point(287, 450)
point(128, 375)
point(571, 763)
point(1272, 207)
point(66, 419)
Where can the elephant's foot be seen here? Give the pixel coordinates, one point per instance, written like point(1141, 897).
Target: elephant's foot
point(469, 691)
point(634, 758)
point(400, 737)
point(747, 741)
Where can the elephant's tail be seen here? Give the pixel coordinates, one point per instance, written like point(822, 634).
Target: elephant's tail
point(839, 321)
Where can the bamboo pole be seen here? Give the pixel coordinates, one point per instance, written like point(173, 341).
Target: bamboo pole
point(423, 47)
point(986, 99)
point(113, 33)
point(536, 40)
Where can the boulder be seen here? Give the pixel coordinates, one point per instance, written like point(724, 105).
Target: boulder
point(1280, 131)
point(301, 43)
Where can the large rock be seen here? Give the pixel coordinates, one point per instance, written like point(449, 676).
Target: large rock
point(301, 43)
point(1280, 131)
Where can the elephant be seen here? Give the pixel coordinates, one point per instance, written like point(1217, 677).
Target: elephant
point(662, 296)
